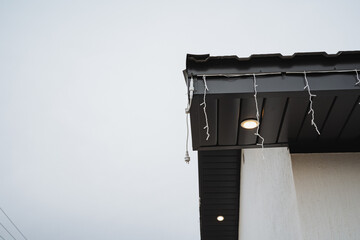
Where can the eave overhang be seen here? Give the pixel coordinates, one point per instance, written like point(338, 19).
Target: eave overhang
point(284, 119)
point(283, 101)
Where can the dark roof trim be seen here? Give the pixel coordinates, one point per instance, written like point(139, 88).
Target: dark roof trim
point(298, 62)
point(207, 57)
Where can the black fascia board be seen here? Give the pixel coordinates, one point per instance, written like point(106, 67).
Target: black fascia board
point(198, 65)
point(315, 61)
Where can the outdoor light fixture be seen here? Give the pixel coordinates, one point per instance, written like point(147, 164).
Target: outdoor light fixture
point(249, 124)
point(220, 218)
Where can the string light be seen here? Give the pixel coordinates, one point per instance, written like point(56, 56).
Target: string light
point(187, 157)
point(191, 94)
point(311, 104)
point(187, 112)
point(230, 75)
point(307, 87)
point(357, 77)
point(257, 115)
point(204, 108)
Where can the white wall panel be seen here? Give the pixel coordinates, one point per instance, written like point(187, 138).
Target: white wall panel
point(268, 208)
point(328, 195)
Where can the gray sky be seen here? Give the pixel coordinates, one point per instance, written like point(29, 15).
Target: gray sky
point(92, 99)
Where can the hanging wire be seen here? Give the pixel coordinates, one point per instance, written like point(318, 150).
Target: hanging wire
point(357, 77)
point(311, 104)
point(204, 108)
point(257, 115)
point(230, 75)
point(187, 112)
point(187, 156)
point(191, 90)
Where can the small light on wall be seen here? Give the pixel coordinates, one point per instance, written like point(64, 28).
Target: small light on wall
point(220, 218)
point(249, 124)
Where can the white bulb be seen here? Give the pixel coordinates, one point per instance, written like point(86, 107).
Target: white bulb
point(220, 218)
point(249, 124)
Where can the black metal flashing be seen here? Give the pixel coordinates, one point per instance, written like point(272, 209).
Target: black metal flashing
point(206, 64)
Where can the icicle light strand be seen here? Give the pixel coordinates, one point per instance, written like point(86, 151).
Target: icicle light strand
point(357, 77)
point(257, 114)
point(311, 104)
point(187, 112)
point(204, 108)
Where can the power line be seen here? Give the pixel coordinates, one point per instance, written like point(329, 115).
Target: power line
point(13, 224)
point(7, 231)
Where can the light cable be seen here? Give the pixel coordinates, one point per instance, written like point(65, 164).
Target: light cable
point(191, 95)
point(257, 115)
point(187, 112)
point(230, 75)
point(311, 104)
point(187, 157)
point(204, 108)
point(357, 77)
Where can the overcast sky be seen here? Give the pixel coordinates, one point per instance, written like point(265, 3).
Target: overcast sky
point(92, 99)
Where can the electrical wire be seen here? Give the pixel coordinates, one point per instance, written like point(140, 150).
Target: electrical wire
point(357, 77)
point(204, 108)
point(230, 75)
point(257, 114)
point(7, 231)
point(13, 223)
point(311, 104)
point(191, 90)
point(187, 157)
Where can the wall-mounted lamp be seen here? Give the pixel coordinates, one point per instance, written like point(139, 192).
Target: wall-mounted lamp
point(220, 218)
point(249, 123)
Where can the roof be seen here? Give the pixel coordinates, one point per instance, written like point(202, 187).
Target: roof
point(285, 118)
point(283, 101)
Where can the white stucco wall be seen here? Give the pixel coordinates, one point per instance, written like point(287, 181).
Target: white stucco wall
point(302, 196)
point(328, 195)
point(268, 208)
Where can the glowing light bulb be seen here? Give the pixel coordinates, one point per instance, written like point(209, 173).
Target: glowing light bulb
point(249, 124)
point(220, 218)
